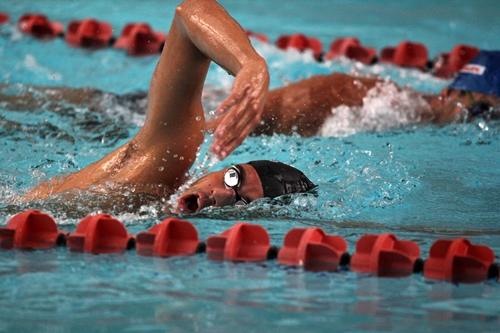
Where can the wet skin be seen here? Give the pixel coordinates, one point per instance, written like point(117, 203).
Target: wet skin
point(156, 160)
point(210, 190)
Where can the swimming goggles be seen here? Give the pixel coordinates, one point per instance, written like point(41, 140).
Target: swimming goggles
point(232, 179)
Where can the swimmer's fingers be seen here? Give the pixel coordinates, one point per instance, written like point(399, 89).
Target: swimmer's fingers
point(235, 128)
point(248, 112)
point(243, 109)
point(232, 117)
point(226, 130)
point(234, 99)
point(233, 144)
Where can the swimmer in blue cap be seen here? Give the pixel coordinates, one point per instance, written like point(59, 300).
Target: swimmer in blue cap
point(156, 160)
point(477, 85)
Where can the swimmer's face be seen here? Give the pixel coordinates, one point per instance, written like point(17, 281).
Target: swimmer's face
point(454, 100)
point(211, 190)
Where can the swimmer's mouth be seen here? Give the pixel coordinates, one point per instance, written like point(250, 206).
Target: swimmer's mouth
point(193, 202)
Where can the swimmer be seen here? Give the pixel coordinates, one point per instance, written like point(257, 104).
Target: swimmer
point(201, 31)
point(303, 107)
point(156, 160)
point(242, 184)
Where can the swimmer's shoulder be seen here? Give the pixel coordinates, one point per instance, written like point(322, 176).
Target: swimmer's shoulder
point(367, 80)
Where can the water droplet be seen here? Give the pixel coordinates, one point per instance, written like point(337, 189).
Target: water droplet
point(181, 158)
point(198, 118)
point(161, 168)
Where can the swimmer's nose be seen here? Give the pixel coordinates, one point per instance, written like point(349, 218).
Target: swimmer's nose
point(194, 202)
point(223, 197)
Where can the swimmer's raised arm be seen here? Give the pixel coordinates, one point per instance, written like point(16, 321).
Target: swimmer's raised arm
point(202, 31)
point(157, 159)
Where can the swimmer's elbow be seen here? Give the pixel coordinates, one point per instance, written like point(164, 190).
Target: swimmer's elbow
point(186, 7)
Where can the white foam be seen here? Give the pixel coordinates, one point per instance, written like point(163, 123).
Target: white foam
point(384, 107)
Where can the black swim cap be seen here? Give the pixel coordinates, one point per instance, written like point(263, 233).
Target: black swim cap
point(278, 178)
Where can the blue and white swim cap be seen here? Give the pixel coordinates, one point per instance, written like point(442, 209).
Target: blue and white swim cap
point(481, 75)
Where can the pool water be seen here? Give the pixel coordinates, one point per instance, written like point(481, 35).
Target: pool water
point(420, 182)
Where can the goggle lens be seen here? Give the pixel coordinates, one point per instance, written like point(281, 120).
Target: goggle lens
point(232, 178)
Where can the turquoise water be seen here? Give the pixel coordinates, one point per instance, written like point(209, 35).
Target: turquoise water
point(419, 182)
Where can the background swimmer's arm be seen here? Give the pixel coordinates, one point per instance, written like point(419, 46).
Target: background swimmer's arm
point(202, 31)
point(27, 97)
point(302, 107)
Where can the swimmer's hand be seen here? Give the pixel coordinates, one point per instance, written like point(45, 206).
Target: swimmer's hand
point(241, 112)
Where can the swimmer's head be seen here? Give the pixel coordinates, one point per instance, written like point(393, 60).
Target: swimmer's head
point(452, 104)
point(475, 89)
point(243, 183)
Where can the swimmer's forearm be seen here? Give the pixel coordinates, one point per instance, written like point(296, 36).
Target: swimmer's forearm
point(28, 97)
point(216, 34)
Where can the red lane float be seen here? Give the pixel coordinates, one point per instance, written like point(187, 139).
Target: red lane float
point(98, 234)
point(4, 18)
point(458, 261)
point(89, 33)
point(172, 237)
point(242, 242)
point(312, 249)
point(31, 229)
point(406, 54)
point(351, 48)
point(301, 43)
point(140, 39)
point(261, 37)
point(385, 255)
point(39, 26)
point(448, 64)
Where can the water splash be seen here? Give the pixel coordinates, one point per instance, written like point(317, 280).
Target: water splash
point(386, 106)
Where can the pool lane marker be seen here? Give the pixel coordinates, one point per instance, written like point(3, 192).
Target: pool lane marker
point(100, 234)
point(172, 237)
point(89, 33)
point(301, 43)
point(31, 230)
point(456, 260)
point(460, 261)
point(139, 39)
point(39, 26)
point(4, 18)
point(351, 47)
point(386, 256)
point(243, 242)
point(313, 249)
